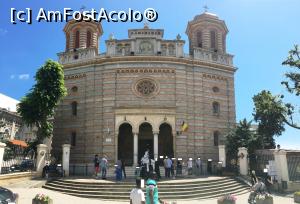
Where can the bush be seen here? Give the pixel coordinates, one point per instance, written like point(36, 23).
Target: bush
point(227, 199)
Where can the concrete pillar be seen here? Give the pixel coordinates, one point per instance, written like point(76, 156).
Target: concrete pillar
point(135, 149)
point(2, 147)
point(243, 160)
point(155, 145)
point(41, 158)
point(222, 155)
point(66, 158)
point(281, 165)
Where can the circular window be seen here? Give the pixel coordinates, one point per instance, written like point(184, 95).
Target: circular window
point(215, 89)
point(146, 88)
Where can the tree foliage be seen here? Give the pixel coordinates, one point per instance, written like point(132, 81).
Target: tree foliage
point(293, 61)
point(292, 83)
point(241, 136)
point(37, 107)
point(270, 113)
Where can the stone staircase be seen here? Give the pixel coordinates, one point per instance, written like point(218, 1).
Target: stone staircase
point(179, 189)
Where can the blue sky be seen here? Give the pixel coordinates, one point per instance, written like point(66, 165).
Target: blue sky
point(261, 32)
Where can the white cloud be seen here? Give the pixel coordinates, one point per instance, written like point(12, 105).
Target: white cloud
point(24, 76)
point(12, 76)
point(3, 32)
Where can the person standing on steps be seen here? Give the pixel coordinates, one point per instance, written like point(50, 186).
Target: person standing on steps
point(165, 166)
point(104, 166)
point(137, 196)
point(96, 164)
point(152, 190)
point(123, 168)
point(169, 165)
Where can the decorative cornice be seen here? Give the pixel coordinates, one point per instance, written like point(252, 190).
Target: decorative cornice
point(75, 76)
point(145, 70)
point(216, 77)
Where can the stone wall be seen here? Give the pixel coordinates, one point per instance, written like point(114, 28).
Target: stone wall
point(103, 88)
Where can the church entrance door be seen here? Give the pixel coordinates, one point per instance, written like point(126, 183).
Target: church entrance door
point(165, 141)
point(145, 140)
point(125, 143)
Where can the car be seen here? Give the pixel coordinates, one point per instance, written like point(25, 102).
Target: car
point(15, 167)
point(26, 165)
point(8, 197)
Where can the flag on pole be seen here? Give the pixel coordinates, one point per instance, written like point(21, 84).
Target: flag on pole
point(184, 126)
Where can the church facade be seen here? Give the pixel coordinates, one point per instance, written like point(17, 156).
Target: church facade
point(144, 91)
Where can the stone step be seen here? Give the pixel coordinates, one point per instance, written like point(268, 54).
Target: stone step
point(173, 186)
point(179, 189)
point(162, 190)
point(163, 197)
point(170, 182)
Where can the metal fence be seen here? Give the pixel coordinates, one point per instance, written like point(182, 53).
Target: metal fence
point(293, 162)
point(261, 160)
point(16, 160)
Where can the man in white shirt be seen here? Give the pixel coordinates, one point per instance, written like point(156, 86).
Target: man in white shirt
point(137, 195)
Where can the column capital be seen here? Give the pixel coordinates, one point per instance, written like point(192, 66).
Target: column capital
point(135, 133)
point(66, 146)
point(155, 132)
point(243, 149)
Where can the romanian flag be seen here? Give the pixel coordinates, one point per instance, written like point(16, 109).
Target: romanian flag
point(184, 126)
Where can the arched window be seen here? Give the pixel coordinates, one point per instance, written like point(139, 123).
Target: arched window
point(74, 108)
point(73, 138)
point(77, 39)
point(213, 40)
point(216, 108)
point(67, 42)
point(74, 89)
point(199, 39)
point(215, 89)
point(88, 39)
point(171, 50)
point(224, 42)
point(216, 138)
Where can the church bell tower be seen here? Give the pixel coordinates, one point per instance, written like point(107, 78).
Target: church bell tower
point(82, 40)
point(208, 32)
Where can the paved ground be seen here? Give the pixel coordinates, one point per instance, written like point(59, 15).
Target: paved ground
point(27, 189)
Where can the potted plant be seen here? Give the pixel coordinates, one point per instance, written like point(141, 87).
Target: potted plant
point(297, 197)
point(227, 199)
point(264, 199)
point(42, 199)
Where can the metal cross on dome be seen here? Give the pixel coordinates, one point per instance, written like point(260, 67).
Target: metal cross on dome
point(82, 8)
point(205, 8)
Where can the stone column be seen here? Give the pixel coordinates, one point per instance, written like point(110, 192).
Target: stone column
point(66, 158)
point(2, 147)
point(222, 155)
point(281, 166)
point(41, 158)
point(135, 149)
point(155, 141)
point(243, 158)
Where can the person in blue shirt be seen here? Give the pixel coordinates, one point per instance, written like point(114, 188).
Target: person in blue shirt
point(152, 190)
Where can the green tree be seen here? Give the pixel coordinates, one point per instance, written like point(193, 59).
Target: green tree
point(270, 113)
point(37, 107)
point(241, 136)
point(292, 83)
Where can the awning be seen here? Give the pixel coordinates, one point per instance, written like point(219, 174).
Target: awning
point(19, 143)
